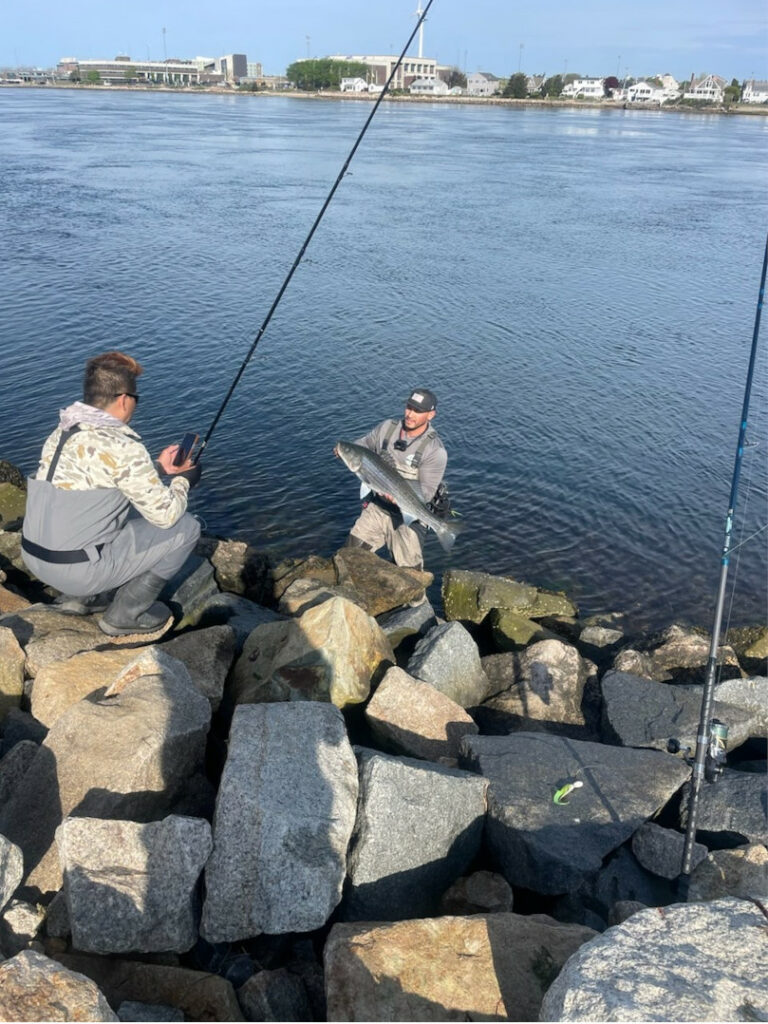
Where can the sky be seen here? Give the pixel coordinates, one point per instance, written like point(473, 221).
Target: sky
point(591, 37)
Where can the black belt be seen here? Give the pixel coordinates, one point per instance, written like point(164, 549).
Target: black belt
point(57, 557)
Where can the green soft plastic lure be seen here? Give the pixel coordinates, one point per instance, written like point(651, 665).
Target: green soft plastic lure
point(561, 795)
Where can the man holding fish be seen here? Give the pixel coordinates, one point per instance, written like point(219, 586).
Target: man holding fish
point(401, 463)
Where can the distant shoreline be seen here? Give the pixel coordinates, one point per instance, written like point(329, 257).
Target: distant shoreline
point(760, 110)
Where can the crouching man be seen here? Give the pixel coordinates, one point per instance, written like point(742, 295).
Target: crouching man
point(98, 516)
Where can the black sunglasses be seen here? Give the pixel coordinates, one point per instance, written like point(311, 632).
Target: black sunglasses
point(129, 394)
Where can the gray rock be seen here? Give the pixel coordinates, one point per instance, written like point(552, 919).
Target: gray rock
point(11, 869)
point(448, 658)
point(57, 917)
point(622, 910)
point(482, 892)
point(90, 765)
point(19, 726)
point(13, 765)
point(274, 995)
point(621, 879)
point(501, 670)
point(660, 850)
point(33, 987)
point(20, 924)
point(239, 613)
point(742, 872)
point(418, 828)
point(131, 887)
point(239, 568)
point(411, 717)
point(208, 655)
point(677, 655)
point(600, 636)
point(305, 594)
point(735, 804)
point(642, 713)
point(380, 585)
point(548, 688)
point(550, 848)
point(403, 622)
point(749, 694)
point(131, 1010)
point(190, 591)
point(706, 961)
point(284, 816)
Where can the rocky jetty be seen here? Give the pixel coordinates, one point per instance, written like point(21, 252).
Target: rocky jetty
point(318, 799)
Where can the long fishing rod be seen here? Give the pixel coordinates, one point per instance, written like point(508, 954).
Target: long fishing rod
point(710, 740)
point(308, 239)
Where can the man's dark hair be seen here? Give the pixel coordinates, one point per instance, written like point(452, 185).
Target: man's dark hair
point(108, 376)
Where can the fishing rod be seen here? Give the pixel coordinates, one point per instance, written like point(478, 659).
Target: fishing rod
point(183, 454)
point(709, 759)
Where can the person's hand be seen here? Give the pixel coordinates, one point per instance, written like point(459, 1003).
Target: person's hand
point(165, 461)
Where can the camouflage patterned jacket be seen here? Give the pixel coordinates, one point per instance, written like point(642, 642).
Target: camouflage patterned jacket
point(107, 454)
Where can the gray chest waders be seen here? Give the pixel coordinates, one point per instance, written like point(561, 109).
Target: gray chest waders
point(46, 554)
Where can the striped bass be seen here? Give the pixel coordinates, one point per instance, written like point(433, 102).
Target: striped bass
point(380, 476)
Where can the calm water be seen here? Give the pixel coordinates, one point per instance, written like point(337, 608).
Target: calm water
point(577, 286)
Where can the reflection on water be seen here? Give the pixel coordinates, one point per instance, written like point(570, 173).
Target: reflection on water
point(578, 287)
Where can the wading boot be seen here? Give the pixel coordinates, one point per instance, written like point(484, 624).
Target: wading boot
point(134, 610)
point(65, 604)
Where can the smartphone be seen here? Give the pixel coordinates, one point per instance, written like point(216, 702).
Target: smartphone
point(185, 448)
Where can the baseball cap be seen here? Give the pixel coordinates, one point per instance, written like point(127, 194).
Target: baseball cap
point(422, 399)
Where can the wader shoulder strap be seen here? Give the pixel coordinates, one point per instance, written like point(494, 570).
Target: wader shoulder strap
point(419, 445)
point(65, 436)
point(392, 436)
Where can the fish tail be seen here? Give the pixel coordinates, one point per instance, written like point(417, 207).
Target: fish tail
point(447, 534)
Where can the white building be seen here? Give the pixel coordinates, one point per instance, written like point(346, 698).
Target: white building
point(380, 68)
point(587, 88)
point(122, 69)
point(645, 92)
point(428, 87)
point(482, 83)
point(755, 92)
point(670, 85)
point(709, 88)
point(353, 85)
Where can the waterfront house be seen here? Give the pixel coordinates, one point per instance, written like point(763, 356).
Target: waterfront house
point(755, 92)
point(353, 85)
point(586, 88)
point(428, 87)
point(709, 88)
point(483, 83)
point(534, 83)
point(645, 92)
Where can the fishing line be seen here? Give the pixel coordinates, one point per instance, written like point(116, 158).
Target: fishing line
point(308, 239)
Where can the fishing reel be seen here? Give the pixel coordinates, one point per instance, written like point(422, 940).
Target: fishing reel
point(715, 757)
